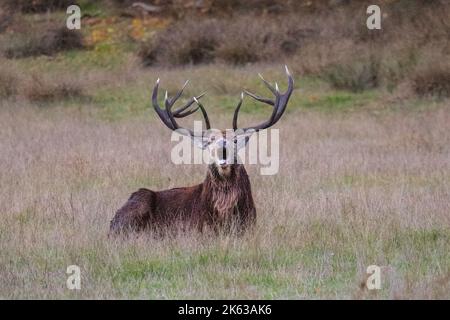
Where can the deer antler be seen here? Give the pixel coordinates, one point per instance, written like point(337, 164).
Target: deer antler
point(168, 116)
point(279, 104)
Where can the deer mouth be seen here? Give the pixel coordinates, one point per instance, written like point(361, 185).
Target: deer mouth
point(222, 157)
point(224, 170)
point(223, 163)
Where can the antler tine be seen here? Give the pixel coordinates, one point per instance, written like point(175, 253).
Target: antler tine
point(168, 117)
point(284, 98)
point(170, 103)
point(178, 113)
point(236, 112)
point(161, 113)
point(186, 113)
point(268, 85)
point(258, 98)
point(279, 105)
point(265, 124)
point(205, 115)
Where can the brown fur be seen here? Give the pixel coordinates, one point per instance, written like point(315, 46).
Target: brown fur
point(223, 202)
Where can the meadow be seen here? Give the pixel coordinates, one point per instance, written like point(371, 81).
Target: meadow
point(364, 180)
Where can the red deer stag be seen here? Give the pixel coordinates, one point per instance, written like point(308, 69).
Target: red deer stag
point(223, 202)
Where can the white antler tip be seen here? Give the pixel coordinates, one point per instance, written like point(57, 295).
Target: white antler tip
point(242, 95)
point(185, 84)
point(276, 86)
point(287, 70)
point(157, 81)
point(195, 99)
point(167, 94)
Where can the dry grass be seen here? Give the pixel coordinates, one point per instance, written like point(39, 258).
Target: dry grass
point(353, 190)
point(29, 38)
point(364, 179)
point(39, 87)
point(44, 88)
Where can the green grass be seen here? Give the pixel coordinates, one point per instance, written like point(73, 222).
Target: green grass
point(325, 270)
point(314, 241)
point(132, 99)
point(117, 103)
point(94, 8)
point(338, 100)
point(104, 57)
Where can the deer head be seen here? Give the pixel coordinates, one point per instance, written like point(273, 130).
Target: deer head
point(223, 145)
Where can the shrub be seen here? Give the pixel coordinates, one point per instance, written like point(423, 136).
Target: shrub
point(187, 42)
point(48, 89)
point(6, 19)
point(9, 80)
point(354, 76)
point(432, 83)
point(182, 8)
point(47, 42)
point(193, 41)
point(37, 87)
point(245, 41)
point(28, 6)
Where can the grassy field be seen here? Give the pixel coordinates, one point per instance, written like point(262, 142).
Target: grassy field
point(360, 183)
point(364, 170)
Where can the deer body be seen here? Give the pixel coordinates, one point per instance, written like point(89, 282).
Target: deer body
point(219, 203)
point(223, 202)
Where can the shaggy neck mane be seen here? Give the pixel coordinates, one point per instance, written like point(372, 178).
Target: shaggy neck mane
point(215, 180)
point(224, 192)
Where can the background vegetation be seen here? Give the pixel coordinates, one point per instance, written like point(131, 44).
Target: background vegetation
point(365, 166)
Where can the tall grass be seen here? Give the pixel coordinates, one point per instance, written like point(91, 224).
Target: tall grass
point(368, 185)
point(353, 190)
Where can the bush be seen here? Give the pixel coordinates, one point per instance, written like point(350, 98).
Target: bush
point(47, 42)
point(354, 76)
point(432, 83)
point(28, 6)
point(270, 39)
point(6, 19)
point(193, 41)
point(183, 8)
point(187, 42)
point(9, 80)
point(48, 89)
point(38, 87)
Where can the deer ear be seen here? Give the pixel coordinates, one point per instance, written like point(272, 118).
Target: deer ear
point(201, 142)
